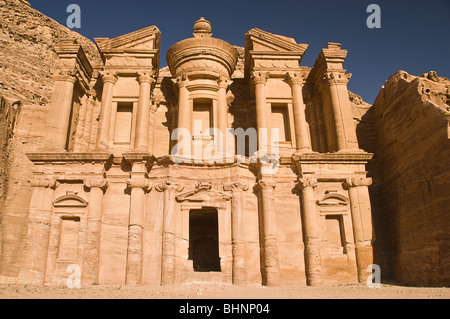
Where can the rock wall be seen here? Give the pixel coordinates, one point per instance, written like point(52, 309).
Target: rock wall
point(8, 116)
point(408, 130)
point(27, 39)
point(27, 60)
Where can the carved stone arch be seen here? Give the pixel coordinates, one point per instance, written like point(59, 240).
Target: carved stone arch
point(70, 200)
point(333, 199)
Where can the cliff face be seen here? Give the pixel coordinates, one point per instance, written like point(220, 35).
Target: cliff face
point(408, 130)
point(28, 58)
point(27, 64)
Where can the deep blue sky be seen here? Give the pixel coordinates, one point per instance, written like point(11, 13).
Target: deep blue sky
point(414, 34)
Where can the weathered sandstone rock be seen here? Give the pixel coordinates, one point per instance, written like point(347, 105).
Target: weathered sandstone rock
point(408, 130)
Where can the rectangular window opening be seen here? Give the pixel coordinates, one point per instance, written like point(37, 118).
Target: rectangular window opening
point(280, 120)
point(202, 110)
point(124, 123)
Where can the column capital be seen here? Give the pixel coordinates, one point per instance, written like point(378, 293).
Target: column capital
point(260, 77)
point(169, 185)
point(235, 186)
point(224, 82)
point(145, 77)
point(264, 184)
point(294, 78)
point(143, 183)
point(336, 77)
point(306, 182)
point(108, 77)
point(96, 182)
point(45, 182)
point(181, 81)
point(357, 181)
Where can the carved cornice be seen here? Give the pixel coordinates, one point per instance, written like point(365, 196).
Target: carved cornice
point(41, 158)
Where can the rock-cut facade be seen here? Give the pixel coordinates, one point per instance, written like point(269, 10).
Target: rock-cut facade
point(132, 186)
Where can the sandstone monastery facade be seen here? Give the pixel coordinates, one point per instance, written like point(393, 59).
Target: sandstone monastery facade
point(109, 195)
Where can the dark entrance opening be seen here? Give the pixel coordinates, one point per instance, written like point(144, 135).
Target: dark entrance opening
point(204, 239)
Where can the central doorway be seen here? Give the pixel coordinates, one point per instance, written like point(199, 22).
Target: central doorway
point(204, 239)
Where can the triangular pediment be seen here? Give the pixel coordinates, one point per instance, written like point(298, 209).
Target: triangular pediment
point(260, 40)
point(144, 39)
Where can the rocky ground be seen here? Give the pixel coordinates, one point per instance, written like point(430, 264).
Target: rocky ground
point(217, 291)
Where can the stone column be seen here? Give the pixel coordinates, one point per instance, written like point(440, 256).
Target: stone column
point(262, 113)
point(34, 262)
point(85, 139)
point(222, 113)
point(184, 116)
point(104, 125)
point(94, 224)
point(143, 113)
point(362, 222)
point(184, 106)
point(237, 231)
point(340, 103)
point(168, 255)
point(58, 122)
point(139, 185)
point(311, 226)
point(270, 256)
point(302, 132)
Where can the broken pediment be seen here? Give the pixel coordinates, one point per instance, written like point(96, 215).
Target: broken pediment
point(202, 193)
point(144, 39)
point(260, 40)
point(273, 53)
point(135, 50)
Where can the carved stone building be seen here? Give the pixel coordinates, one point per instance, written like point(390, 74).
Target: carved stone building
point(108, 196)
